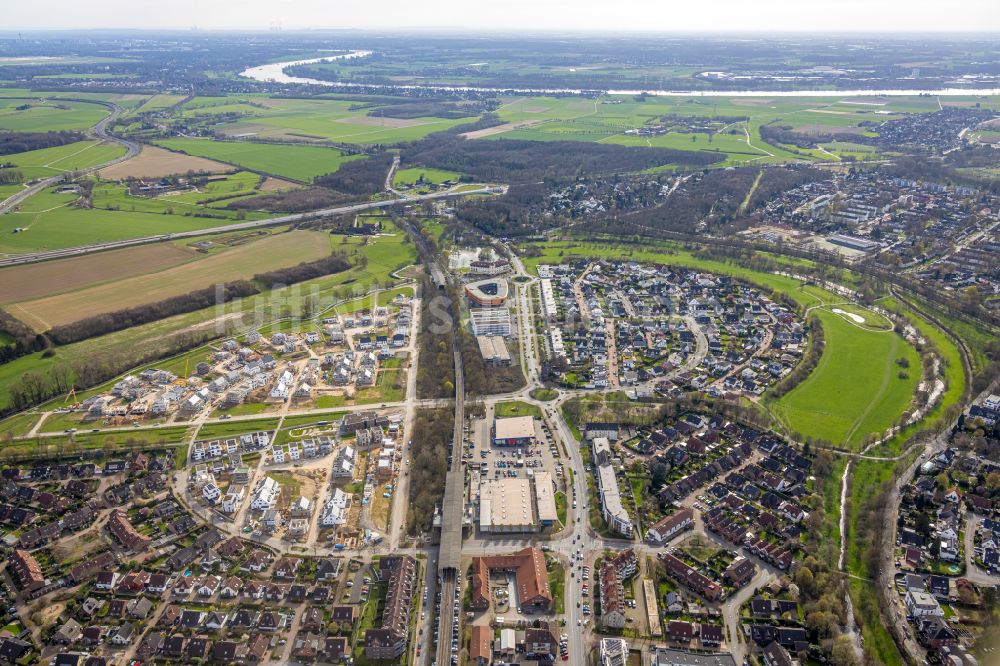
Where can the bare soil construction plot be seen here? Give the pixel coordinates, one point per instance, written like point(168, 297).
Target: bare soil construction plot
point(32, 281)
point(268, 253)
point(152, 162)
point(78, 547)
point(500, 129)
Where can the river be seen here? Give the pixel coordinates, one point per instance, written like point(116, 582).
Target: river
point(275, 73)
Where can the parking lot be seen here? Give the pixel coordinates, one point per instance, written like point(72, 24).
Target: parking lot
point(515, 462)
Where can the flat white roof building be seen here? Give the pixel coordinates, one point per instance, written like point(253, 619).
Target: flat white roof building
point(505, 505)
point(545, 499)
point(611, 501)
point(514, 431)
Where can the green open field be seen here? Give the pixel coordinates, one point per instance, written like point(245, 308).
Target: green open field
point(855, 389)
point(412, 175)
point(516, 408)
point(713, 124)
point(48, 115)
point(49, 220)
point(115, 440)
point(298, 162)
point(60, 159)
point(311, 120)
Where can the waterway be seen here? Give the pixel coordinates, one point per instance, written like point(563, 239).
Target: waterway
point(275, 73)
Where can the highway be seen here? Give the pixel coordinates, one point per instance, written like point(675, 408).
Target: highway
point(239, 226)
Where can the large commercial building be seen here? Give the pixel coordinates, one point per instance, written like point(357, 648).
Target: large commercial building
point(514, 431)
point(506, 505)
point(490, 321)
point(490, 293)
point(493, 349)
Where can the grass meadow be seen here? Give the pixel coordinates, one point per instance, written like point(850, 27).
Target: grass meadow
point(298, 162)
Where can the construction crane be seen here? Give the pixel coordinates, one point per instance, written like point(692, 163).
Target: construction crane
point(71, 394)
point(182, 381)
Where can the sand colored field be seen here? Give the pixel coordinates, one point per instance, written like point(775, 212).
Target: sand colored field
point(831, 111)
point(500, 129)
point(751, 101)
point(33, 281)
point(268, 253)
point(272, 184)
point(380, 121)
point(152, 162)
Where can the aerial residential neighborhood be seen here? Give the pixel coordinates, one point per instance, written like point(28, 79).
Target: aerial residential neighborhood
point(405, 334)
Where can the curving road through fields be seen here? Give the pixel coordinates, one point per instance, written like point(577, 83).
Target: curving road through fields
point(100, 130)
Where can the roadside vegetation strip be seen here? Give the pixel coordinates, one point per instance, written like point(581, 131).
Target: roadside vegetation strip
point(71, 443)
point(296, 161)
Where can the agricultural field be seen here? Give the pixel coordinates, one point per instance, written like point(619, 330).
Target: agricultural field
point(152, 162)
point(159, 102)
point(306, 120)
point(241, 262)
point(36, 115)
point(33, 281)
point(302, 163)
point(713, 124)
point(60, 159)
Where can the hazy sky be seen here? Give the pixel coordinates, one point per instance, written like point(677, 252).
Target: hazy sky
point(817, 16)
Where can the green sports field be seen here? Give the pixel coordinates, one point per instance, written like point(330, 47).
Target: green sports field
point(298, 162)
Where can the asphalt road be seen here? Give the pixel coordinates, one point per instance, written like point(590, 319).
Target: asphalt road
point(239, 226)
